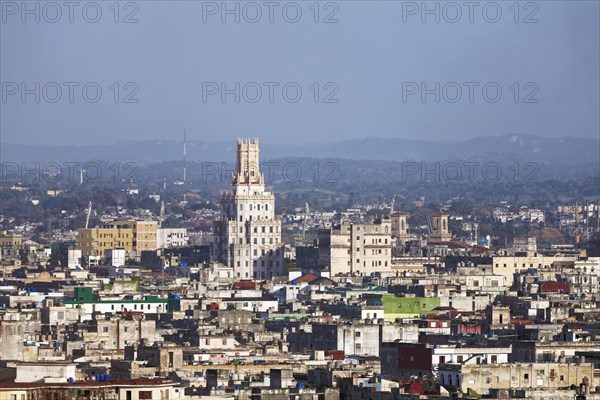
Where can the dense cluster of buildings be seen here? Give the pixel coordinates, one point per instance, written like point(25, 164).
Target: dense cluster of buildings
point(368, 311)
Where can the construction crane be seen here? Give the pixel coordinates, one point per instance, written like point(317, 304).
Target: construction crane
point(306, 211)
point(162, 214)
point(577, 236)
point(429, 224)
point(87, 217)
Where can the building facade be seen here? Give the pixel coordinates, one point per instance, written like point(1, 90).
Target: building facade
point(171, 237)
point(399, 225)
point(131, 236)
point(248, 234)
point(439, 227)
point(357, 249)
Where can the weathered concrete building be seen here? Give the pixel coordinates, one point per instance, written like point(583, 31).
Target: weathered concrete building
point(357, 249)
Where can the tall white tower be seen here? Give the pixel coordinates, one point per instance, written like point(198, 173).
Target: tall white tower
point(248, 234)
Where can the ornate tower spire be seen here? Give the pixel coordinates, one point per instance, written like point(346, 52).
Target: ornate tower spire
point(247, 168)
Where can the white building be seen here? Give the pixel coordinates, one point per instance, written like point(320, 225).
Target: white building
point(248, 234)
point(171, 237)
point(73, 258)
point(115, 257)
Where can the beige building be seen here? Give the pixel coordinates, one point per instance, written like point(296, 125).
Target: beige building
point(525, 246)
point(144, 235)
point(132, 236)
point(439, 227)
point(10, 241)
point(248, 234)
point(358, 249)
point(399, 225)
point(481, 378)
point(508, 266)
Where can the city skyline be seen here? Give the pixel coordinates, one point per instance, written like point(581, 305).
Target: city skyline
point(299, 200)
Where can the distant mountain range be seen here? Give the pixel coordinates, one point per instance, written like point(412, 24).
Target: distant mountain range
point(511, 147)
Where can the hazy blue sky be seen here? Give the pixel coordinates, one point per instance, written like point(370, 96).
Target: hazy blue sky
point(370, 57)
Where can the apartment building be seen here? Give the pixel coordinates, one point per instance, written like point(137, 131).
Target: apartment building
point(131, 236)
point(357, 249)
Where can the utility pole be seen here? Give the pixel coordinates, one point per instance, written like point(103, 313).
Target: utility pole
point(184, 162)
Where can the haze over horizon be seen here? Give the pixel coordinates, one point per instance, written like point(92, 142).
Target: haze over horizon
point(170, 58)
point(191, 139)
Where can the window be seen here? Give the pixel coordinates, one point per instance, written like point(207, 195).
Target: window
point(145, 394)
point(526, 377)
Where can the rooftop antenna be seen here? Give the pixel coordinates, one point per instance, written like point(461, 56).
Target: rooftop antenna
point(184, 161)
point(184, 156)
point(306, 210)
point(162, 214)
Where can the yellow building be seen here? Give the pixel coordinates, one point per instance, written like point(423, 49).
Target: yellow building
point(144, 235)
point(10, 241)
point(13, 393)
point(95, 241)
point(133, 236)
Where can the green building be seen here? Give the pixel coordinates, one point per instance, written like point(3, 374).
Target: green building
point(407, 307)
